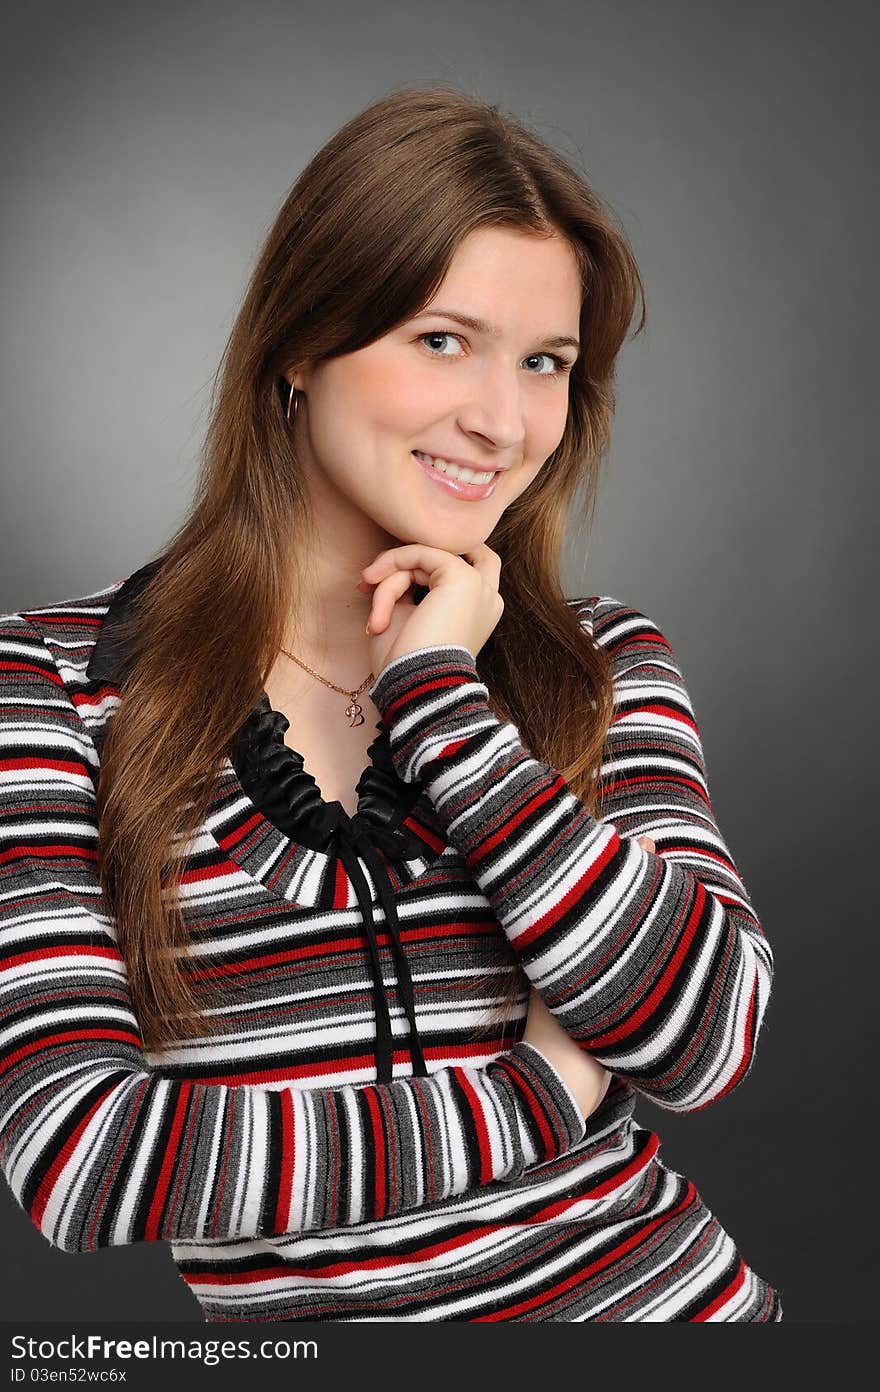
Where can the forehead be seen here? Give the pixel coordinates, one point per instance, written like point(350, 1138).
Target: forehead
point(498, 273)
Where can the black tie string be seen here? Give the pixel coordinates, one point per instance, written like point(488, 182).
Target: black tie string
point(353, 842)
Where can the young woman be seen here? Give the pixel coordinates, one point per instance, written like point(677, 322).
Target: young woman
point(355, 880)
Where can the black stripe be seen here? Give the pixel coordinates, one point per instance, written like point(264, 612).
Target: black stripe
point(274, 1163)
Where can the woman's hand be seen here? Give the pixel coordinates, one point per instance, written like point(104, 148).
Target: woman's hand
point(463, 605)
point(586, 1077)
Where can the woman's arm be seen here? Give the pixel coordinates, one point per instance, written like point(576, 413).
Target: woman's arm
point(101, 1149)
point(655, 963)
point(586, 1077)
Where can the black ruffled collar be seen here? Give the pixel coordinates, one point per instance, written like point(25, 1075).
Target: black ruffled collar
point(271, 773)
point(275, 779)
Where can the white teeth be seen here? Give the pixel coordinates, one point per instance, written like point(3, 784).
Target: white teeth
point(455, 470)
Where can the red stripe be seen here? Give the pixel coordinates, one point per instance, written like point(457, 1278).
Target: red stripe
point(113, 1169)
point(53, 677)
point(447, 751)
point(95, 698)
point(748, 1052)
point(650, 1003)
point(530, 1097)
point(414, 693)
point(50, 1041)
point(340, 887)
point(44, 764)
point(434, 842)
point(323, 1069)
point(617, 784)
point(380, 1196)
point(658, 708)
point(169, 1161)
point(336, 945)
point(577, 892)
point(46, 954)
point(64, 619)
point(339, 1268)
point(729, 1291)
point(204, 874)
point(58, 852)
point(288, 1151)
point(639, 639)
point(480, 1124)
point(44, 1192)
point(384, 1103)
point(547, 794)
point(234, 837)
point(584, 1273)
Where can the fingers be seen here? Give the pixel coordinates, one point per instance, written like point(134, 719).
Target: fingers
point(392, 573)
point(486, 561)
point(405, 558)
point(647, 844)
point(389, 577)
point(385, 596)
point(431, 558)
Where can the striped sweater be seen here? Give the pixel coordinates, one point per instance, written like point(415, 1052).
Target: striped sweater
point(290, 1178)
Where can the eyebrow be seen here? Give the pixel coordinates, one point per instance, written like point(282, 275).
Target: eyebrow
point(492, 330)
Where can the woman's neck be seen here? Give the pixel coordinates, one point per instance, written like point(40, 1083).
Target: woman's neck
point(327, 627)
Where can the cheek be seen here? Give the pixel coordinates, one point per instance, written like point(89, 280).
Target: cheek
point(548, 429)
point(524, 480)
point(388, 394)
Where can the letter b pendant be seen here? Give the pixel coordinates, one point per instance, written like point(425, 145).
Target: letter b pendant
point(355, 715)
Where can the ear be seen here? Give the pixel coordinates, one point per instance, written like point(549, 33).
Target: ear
point(299, 377)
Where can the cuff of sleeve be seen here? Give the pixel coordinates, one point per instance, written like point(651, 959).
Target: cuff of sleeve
point(553, 1118)
point(416, 675)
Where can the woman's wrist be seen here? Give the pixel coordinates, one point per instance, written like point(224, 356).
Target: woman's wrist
point(585, 1077)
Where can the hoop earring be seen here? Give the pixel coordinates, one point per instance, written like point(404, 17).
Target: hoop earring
point(291, 401)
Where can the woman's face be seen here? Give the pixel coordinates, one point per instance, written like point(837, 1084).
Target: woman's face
point(496, 401)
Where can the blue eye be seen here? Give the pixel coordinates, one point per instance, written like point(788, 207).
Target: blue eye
point(438, 334)
point(560, 365)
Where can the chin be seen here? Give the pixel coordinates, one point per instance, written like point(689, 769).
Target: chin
point(412, 534)
point(454, 542)
point(446, 534)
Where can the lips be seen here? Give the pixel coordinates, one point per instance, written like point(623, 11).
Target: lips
point(467, 492)
point(459, 463)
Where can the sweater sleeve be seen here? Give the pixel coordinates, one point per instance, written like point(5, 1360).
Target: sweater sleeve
point(656, 964)
point(101, 1149)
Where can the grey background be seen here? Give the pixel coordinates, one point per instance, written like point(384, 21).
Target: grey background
point(146, 152)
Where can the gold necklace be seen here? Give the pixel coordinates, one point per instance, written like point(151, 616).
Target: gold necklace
point(354, 710)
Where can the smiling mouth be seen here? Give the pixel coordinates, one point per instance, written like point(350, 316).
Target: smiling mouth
point(457, 471)
point(466, 491)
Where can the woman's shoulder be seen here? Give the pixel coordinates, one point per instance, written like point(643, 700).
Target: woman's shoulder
point(63, 617)
point(616, 625)
point(69, 628)
point(45, 655)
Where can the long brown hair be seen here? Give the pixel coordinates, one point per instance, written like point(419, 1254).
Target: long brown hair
point(360, 245)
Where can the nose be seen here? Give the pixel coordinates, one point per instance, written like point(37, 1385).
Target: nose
point(495, 411)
